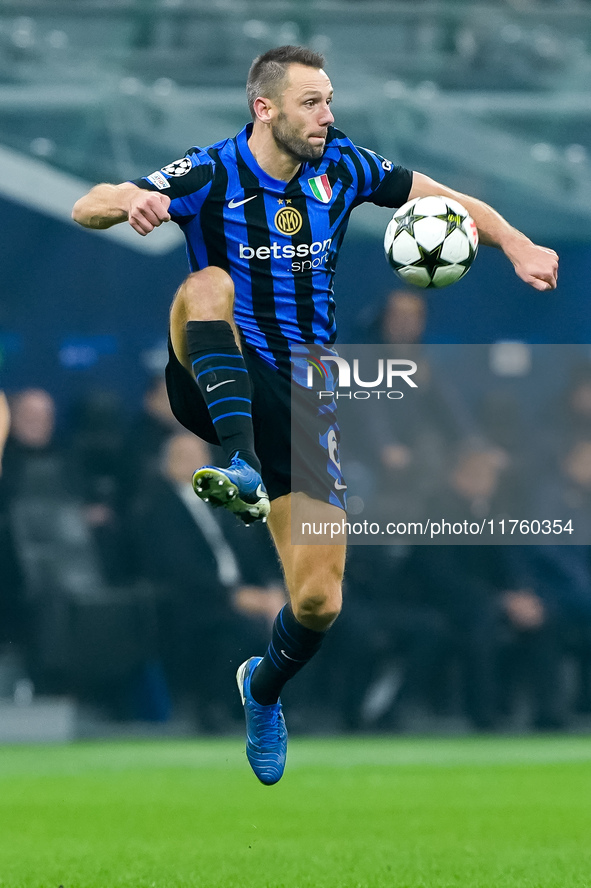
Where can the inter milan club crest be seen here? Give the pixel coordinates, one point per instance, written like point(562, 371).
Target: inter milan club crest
point(321, 188)
point(288, 220)
point(178, 167)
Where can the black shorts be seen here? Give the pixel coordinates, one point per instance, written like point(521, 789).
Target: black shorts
point(311, 465)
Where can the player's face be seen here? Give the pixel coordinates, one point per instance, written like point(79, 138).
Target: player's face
point(303, 113)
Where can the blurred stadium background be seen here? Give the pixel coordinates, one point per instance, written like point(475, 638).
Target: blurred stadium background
point(104, 624)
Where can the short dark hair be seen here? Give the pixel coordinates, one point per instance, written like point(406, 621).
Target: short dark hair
point(268, 71)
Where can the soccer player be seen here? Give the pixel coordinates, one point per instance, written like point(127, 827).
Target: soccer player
point(264, 215)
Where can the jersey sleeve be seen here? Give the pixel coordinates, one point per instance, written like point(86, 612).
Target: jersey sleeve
point(382, 183)
point(180, 180)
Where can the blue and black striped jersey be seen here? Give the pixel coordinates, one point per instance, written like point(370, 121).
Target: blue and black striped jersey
point(279, 241)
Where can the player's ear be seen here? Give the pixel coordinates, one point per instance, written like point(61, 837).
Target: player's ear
point(264, 109)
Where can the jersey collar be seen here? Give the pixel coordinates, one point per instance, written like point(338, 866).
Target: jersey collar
point(264, 178)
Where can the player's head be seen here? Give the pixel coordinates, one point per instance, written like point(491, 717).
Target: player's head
point(180, 454)
point(33, 418)
point(576, 464)
point(289, 93)
point(404, 317)
point(156, 403)
point(476, 473)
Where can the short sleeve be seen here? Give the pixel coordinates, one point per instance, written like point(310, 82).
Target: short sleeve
point(182, 177)
point(383, 183)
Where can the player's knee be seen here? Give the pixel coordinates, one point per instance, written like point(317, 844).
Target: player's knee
point(318, 608)
point(208, 295)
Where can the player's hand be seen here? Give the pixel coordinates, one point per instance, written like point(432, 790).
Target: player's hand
point(537, 266)
point(147, 210)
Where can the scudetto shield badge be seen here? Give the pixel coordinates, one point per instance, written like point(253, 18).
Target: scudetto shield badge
point(321, 188)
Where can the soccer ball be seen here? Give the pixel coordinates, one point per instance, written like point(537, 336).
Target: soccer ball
point(431, 241)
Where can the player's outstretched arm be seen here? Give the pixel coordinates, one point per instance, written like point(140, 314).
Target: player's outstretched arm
point(106, 205)
point(537, 266)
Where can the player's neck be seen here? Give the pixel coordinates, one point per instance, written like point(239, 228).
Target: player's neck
point(269, 156)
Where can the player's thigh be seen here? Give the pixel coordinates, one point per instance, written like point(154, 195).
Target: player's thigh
point(178, 333)
point(205, 295)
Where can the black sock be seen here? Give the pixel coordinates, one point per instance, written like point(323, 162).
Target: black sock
point(291, 647)
point(222, 376)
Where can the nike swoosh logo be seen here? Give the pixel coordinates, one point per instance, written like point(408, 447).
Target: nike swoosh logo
point(238, 203)
point(338, 486)
point(293, 660)
point(210, 388)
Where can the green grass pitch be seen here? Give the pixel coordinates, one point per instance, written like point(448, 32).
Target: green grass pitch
point(349, 813)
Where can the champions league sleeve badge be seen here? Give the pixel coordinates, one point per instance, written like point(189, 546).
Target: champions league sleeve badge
point(178, 167)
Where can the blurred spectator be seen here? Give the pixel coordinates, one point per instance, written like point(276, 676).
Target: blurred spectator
point(504, 427)
point(32, 461)
point(32, 455)
point(411, 438)
point(96, 441)
point(485, 599)
point(578, 404)
point(560, 576)
point(95, 453)
point(503, 631)
point(11, 608)
point(462, 583)
point(474, 490)
point(211, 613)
point(512, 443)
point(401, 320)
point(68, 614)
point(568, 418)
point(562, 573)
point(565, 495)
point(399, 643)
point(12, 615)
point(149, 431)
point(4, 424)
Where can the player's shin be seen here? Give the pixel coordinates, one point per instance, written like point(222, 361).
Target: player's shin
point(222, 377)
point(292, 646)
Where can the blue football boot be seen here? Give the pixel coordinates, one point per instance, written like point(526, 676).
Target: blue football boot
point(266, 734)
point(239, 488)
